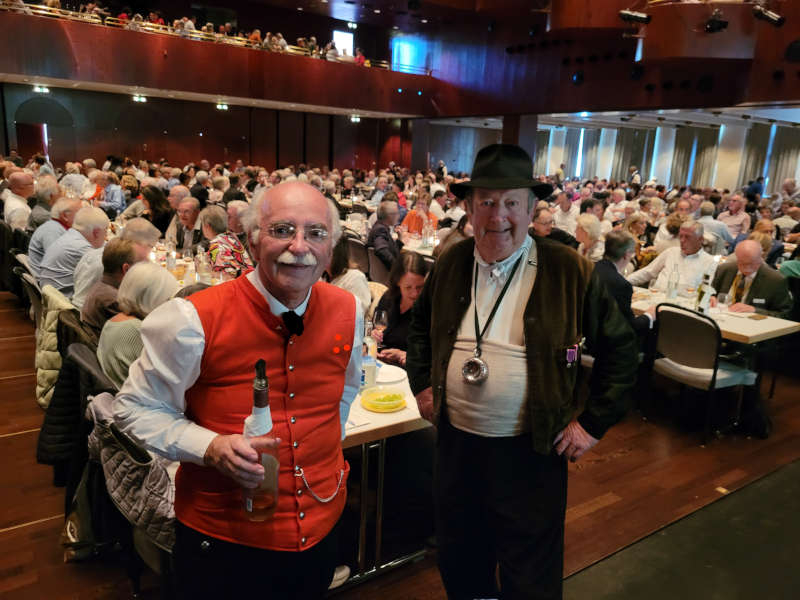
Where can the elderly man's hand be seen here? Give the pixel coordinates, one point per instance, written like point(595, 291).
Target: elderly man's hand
point(237, 457)
point(425, 403)
point(394, 356)
point(573, 441)
point(741, 307)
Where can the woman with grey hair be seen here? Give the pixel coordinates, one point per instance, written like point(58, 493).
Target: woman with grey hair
point(590, 235)
point(144, 287)
point(218, 187)
point(225, 251)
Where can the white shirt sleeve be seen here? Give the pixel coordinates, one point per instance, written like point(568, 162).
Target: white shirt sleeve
point(352, 378)
point(649, 272)
point(151, 404)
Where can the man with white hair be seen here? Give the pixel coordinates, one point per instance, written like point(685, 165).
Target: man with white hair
point(236, 210)
point(789, 190)
point(89, 269)
point(736, 219)
point(61, 216)
point(184, 230)
point(58, 265)
point(200, 188)
point(711, 225)
point(380, 190)
point(691, 261)
point(47, 193)
point(188, 395)
point(16, 210)
point(565, 215)
point(616, 209)
point(176, 194)
point(73, 183)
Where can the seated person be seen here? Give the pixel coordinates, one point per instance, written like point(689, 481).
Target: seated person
point(773, 250)
point(417, 218)
point(144, 287)
point(184, 229)
point(589, 234)
point(751, 285)
point(341, 274)
point(101, 301)
point(620, 248)
point(156, 208)
point(543, 226)
point(89, 270)
point(387, 249)
point(689, 258)
point(667, 235)
point(461, 232)
point(61, 216)
point(405, 285)
point(225, 251)
point(58, 265)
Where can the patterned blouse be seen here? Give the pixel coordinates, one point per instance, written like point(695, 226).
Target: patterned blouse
point(227, 254)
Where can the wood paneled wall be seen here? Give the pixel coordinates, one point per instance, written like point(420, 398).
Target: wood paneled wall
point(93, 124)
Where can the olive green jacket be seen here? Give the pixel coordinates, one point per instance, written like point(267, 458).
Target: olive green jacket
point(567, 304)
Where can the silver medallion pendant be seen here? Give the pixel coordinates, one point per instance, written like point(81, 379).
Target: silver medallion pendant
point(475, 370)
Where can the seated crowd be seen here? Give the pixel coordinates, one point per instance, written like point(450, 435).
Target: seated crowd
point(227, 32)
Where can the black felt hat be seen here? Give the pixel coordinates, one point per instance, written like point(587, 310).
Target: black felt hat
point(502, 167)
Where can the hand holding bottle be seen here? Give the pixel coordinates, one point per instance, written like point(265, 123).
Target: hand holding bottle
point(237, 457)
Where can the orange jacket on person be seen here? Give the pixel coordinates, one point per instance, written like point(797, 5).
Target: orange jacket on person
point(414, 222)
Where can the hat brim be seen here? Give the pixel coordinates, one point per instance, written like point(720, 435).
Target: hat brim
point(541, 190)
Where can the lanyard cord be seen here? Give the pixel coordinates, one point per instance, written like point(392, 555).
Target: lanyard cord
point(478, 332)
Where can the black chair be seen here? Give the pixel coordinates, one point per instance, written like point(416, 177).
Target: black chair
point(6, 243)
point(33, 293)
point(71, 330)
point(21, 240)
point(359, 257)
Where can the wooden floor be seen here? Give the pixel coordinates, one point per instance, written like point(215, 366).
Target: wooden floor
point(641, 477)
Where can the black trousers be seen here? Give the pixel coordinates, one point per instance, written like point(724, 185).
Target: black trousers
point(498, 503)
point(208, 567)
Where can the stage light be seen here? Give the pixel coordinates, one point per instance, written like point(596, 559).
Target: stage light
point(419, 93)
point(764, 14)
point(633, 16)
point(399, 90)
point(716, 23)
point(351, 25)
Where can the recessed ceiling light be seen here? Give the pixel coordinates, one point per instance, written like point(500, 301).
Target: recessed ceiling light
point(424, 20)
point(299, 8)
point(377, 11)
point(395, 27)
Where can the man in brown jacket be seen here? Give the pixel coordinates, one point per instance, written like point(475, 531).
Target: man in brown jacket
point(493, 357)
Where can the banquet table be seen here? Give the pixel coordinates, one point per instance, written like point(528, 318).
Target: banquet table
point(746, 328)
point(370, 430)
point(415, 245)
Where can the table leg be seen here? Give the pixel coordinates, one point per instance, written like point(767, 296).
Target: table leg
point(362, 527)
point(379, 502)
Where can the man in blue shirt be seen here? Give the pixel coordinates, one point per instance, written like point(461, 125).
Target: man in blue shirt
point(58, 265)
point(61, 216)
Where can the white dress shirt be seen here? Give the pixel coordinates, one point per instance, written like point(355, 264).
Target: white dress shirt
point(566, 221)
point(151, 404)
point(455, 213)
point(16, 211)
point(436, 210)
point(88, 271)
point(691, 269)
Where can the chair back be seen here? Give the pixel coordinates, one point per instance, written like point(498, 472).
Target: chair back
point(376, 292)
point(21, 239)
point(34, 296)
point(794, 288)
point(70, 330)
point(377, 270)
point(357, 252)
point(92, 379)
point(23, 260)
point(687, 337)
point(6, 243)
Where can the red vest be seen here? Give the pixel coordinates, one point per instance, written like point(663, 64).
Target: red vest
point(306, 380)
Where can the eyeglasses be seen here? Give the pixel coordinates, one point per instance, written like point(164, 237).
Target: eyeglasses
point(316, 233)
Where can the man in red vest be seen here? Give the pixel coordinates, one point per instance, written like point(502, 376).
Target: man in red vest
point(188, 394)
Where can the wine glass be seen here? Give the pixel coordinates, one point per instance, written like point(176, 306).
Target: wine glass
point(722, 301)
point(380, 320)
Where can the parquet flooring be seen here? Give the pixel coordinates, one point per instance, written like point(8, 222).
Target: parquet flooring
point(642, 476)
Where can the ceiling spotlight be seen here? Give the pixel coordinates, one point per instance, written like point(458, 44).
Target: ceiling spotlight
point(424, 21)
point(222, 107)
point(139, 98)
point(355, 119)
point(40, 89)
point(764, 14)
point(377, 11)
point(716, 23)
point(633, 16)
point(351, 25)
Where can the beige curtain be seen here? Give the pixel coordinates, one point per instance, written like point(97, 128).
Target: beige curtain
point(540, 160)
point(784, 158)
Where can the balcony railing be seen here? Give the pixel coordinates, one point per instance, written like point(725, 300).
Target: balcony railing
point(197, 34)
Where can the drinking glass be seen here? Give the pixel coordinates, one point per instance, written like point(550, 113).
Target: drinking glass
point(722, 301)
point(379, 322)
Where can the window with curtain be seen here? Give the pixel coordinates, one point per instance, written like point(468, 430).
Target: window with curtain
point(755, 153)
point(571, 144)
point(540, 160)
point(784, 158)
point(684, 142)
point(591, 140)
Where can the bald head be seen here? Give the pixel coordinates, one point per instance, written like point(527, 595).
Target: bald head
point(748, 256)
point(176, 194)
point(21, 184)
point(300, 193)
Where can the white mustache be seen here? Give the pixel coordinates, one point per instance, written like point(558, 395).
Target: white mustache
point(305, 260)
